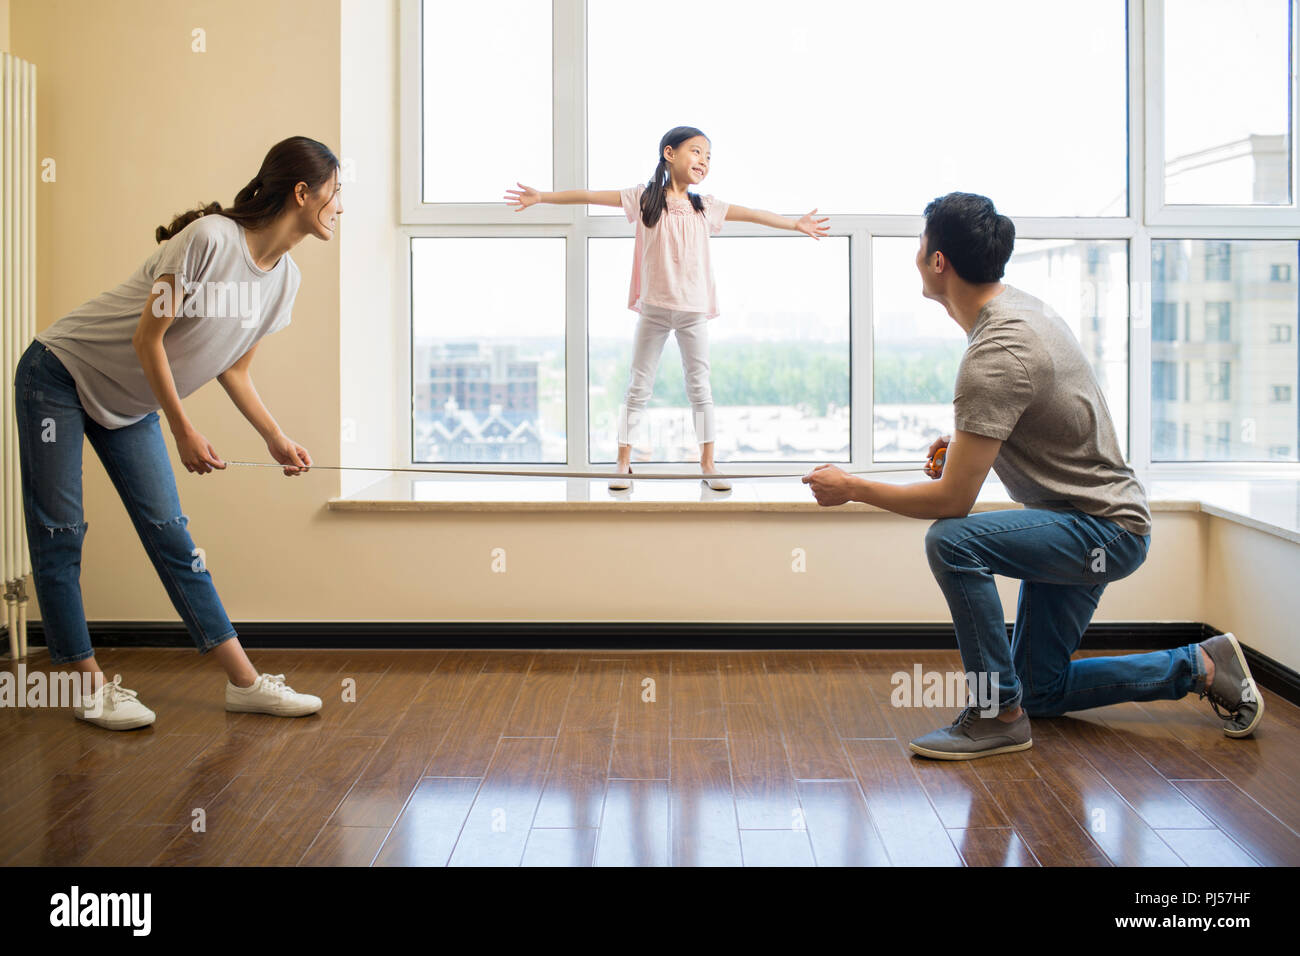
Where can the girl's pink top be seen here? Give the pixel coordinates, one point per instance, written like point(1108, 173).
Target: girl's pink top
point(670, 264)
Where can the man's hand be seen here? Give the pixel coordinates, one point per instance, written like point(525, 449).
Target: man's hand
point(941, 442)
point(830, 484)
point(288, 452)
point(970, 457)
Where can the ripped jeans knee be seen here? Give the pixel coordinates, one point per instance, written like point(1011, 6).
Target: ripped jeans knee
point(171, 537)
point(76, 528)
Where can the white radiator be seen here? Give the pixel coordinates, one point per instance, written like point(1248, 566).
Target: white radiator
point(18, 174)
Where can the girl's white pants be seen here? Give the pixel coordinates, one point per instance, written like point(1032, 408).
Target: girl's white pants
point(692, 330)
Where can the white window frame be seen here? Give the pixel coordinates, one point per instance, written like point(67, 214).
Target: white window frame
point(564, 56)
point(1163, 214)
point(1147, 219)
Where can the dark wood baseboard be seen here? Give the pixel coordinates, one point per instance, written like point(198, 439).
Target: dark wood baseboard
point(625, 635)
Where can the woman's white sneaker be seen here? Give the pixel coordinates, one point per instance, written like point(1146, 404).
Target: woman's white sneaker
point(269, 694)
point(113, 707)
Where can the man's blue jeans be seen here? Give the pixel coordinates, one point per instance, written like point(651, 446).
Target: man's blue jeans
point(1064, 560)
point(51, 426)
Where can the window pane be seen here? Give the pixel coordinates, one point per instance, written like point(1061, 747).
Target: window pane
point(839, 102)
point(487, 105)
point(778, 355)
point(1227, 102)
point(1224, 378)
point(918, 346)
point(487, 355)
point(1086, 282)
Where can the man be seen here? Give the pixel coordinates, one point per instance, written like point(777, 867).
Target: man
point(1027, 405)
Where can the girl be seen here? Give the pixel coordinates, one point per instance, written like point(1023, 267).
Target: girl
point(672, 278)
point(194, 310)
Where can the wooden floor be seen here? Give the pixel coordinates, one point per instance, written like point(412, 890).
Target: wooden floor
point(563, 759)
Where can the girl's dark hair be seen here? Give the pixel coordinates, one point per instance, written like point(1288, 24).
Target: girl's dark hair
point(653, 200)
point(289, 162)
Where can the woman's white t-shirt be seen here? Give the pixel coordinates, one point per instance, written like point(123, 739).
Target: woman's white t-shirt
point(228, 304)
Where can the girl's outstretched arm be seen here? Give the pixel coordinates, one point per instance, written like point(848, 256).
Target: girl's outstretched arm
point(806, 223)
point(526, 196)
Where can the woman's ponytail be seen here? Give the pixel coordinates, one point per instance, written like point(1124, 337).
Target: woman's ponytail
point(297, 159)
point(163, 233)
point(249, 191)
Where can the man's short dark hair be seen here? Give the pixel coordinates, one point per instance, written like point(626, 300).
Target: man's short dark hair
point(968, 230)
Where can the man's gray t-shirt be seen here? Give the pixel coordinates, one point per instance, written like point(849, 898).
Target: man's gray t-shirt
point(228, 304)
point(1025, 380)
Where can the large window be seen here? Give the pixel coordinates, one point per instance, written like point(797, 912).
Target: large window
point(1177, 277)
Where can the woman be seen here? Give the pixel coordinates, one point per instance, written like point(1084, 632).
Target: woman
point(194, 311)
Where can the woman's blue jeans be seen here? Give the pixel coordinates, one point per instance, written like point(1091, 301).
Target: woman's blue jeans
point(51, 425)
point(1064, 560)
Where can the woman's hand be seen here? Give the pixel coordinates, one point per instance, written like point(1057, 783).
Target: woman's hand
point(288, 452)
point(523, 197)
point(940, 442)
point(812, 227)
point(197, 453)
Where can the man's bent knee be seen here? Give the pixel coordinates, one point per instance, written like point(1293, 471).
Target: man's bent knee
point(939, 537)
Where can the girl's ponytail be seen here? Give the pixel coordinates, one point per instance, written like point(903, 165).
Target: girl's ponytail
point(654, 200)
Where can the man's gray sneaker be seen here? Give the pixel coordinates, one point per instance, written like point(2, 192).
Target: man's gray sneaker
point(1233, 689)
point(971, 736)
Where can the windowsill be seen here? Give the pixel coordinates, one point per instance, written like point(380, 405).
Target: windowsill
point(1271, 505)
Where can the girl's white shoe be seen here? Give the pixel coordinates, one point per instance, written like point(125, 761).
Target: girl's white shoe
point(113, 707)
point(269, 694)
point(717, 484)
point(621, 484)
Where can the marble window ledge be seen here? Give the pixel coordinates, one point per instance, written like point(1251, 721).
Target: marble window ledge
point(1269, 504)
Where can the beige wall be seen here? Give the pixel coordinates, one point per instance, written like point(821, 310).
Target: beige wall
point(1251, 589)
point(141, 127)
point(4, 26)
